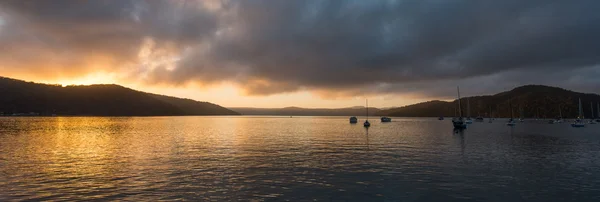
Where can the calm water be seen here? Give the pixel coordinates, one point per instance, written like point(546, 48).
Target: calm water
point(296, 159)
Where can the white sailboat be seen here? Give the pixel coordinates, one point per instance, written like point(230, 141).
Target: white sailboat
point(598, 112)
point(458, 122)
point(521, 117)
point(511, 121)
point(579, 122)
point(367, 124)
point(560, 119)
point(469, 120)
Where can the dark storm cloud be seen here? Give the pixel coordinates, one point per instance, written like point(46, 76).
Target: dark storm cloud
point(67, 36)
point(334, 47)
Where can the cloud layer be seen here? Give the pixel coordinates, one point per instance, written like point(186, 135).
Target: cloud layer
point(334, 48)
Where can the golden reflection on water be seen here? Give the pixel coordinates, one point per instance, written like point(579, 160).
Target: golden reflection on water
point(232, 158)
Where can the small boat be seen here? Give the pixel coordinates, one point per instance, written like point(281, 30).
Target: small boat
point(469, 120)
point(367, 124)
point(441, 118)
point(353, 119)
point(551, 121)
point(479, 118)
point(511, 122)
point(458, 122)
point(386, 119)
point(578, 122)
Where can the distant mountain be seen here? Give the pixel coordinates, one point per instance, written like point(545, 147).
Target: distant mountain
point(96, 100)
point(532, 101)
point(297, 111)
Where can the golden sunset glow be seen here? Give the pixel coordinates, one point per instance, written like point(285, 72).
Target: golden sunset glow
point(258, 54)
point(86, 80)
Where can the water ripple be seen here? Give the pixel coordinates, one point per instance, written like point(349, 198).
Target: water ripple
point(299, 159)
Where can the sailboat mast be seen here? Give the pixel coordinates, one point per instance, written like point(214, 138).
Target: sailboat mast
point(521, 111)
point(580, 110)
point(559, 112)
point(511, 109)
point(367, 109)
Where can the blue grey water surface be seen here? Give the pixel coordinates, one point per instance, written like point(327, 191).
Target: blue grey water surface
point(294, 159)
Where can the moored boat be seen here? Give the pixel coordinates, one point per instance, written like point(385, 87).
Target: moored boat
point(353, 119)
point(511, 121)
point(579, 122)
point(459, 122)
point(367, 124)
point(592, 111)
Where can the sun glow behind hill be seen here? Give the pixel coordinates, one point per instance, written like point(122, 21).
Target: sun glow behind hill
point(90, 79)
point(229, 94)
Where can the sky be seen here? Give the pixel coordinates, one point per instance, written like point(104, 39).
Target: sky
point(309, 53)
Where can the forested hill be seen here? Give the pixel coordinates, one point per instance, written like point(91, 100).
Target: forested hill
point(532, 101)
point(95, 100)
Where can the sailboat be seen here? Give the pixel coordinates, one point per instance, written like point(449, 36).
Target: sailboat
point(579, 122)
point(367, 124)
point(511, 122)
point(559, 119)
point(592, 116)
point(469, 120)
point(491, 114)
point(598, 113)
point(458, 122)
point(521, 114)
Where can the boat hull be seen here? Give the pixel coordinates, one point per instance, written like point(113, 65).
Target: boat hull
point(459, 124)
point(577, 125)
point(386, 119)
